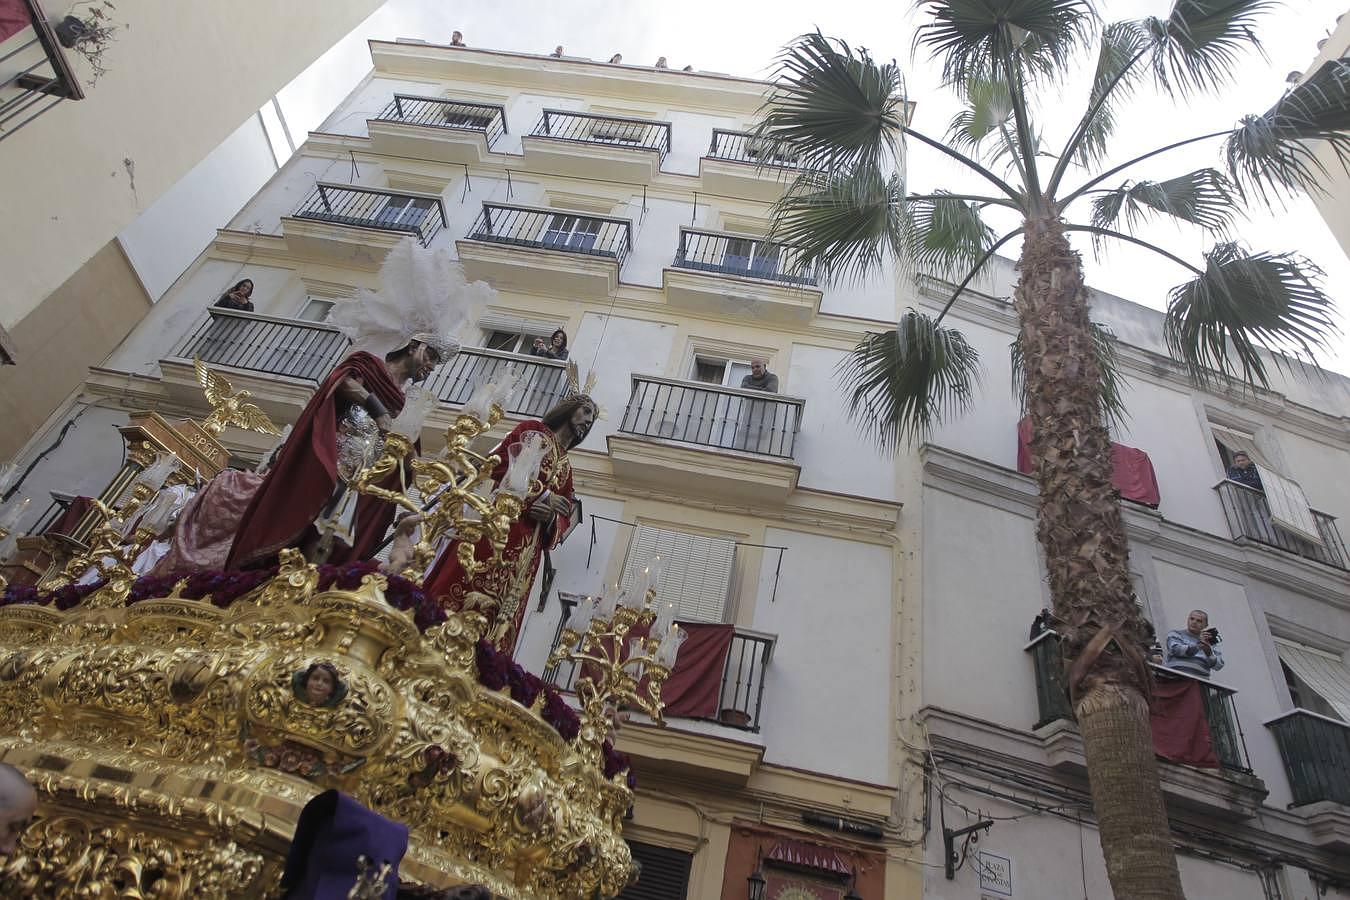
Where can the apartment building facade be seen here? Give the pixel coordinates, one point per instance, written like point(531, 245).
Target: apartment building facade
point(879, 689)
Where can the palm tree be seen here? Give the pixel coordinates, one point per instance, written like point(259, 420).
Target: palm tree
point(845, 118)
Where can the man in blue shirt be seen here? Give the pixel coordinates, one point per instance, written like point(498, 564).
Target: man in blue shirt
point(1192, 651)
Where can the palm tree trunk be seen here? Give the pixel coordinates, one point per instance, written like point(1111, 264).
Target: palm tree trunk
point(1082, 533)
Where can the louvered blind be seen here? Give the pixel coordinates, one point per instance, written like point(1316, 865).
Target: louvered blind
point(1324, 672)
point(697, 570)
point(665, 873)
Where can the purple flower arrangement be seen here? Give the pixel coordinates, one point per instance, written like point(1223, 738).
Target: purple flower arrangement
point(63, 598)
point(496, 670)
point(616, 762)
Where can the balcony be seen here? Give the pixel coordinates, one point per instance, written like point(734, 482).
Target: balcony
point(448, 131)
point(1248, 517)
point(540, 382)
point(734, 275)
point(742, 684)
point(1232, 788)
point(298, 353)
point(37, 73)
point(1316, 754)
point(373, 221)
point(544, 251)
point(738, 165)
point(741, 442)
point(589, 146)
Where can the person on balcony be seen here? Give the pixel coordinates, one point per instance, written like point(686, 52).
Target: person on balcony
point(408, 321)
point(546, 519)
point(555, 348)
point(760, 378)
point(1243, 471)
point(237, 297)
point(1193, 650)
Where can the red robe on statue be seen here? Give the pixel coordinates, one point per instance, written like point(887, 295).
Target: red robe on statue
point(510, 584)
point(305, 474)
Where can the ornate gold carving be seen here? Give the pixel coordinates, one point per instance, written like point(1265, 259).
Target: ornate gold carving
point(67, 856)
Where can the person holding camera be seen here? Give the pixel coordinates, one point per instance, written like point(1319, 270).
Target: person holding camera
point(1194, 650)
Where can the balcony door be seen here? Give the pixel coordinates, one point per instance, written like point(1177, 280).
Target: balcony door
point(576, 233)
point(754, 258)
point(404, 212)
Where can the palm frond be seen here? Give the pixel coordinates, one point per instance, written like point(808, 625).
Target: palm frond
point(1203, 197)
point(988, 106)
point(1201, 42)
point(841, 223)
point(1115, 75)
point(944, 236)
point(834, 106)
point(1277, 151)
point(1220, 321)
point(901, 383)
point(974, 37)
point(1112, 384)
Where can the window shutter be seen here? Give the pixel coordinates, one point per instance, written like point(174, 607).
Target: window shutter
point(1236, 440)
point(665, 873)
point(1323, 672)
point(697, 570)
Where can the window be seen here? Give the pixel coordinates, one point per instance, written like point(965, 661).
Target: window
point(754, 258)
point(665, 873)
point(631, 133)
point(1231, 441)
point(315, 310)
point(697, 572)
point(404, 212)
point(459, 118)
point(572, 233)
point(512, 341)
point(1318, 681)
point(724, 372)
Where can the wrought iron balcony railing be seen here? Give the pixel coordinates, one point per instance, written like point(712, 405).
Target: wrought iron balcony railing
point(37, 75)
point(256, 343)
point(439, 113)
point(540, 383)
point(742, 690)
point(708, 251)
point(1316, 753)
point(1052, 698)
point(713, 416)
point(1248, 516)
point(416, 214)
point(548, 229)
point(640, 134)
point(741, 146)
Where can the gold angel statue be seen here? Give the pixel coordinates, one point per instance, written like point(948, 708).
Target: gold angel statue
point(228, 406)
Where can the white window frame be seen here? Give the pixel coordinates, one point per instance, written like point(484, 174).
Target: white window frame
point(327, 302)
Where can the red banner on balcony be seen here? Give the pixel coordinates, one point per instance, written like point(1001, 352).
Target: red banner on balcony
point(1180, 729)
point(694, 688)
point(13, 18)
point(1132, 470)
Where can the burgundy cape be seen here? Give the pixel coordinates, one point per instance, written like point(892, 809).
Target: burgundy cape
point(302, 480)
point(510, 583)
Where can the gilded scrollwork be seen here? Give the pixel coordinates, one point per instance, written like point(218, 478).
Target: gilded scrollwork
point(173, 708)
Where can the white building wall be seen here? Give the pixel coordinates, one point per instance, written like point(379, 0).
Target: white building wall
point(826, 708)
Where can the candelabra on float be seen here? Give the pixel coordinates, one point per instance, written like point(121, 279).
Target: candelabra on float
point(456, 486)
point(619, 668)
point(114, 543)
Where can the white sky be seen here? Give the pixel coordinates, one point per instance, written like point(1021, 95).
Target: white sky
point(742, 38)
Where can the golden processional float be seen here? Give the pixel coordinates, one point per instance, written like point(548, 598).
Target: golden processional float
point(168, 729)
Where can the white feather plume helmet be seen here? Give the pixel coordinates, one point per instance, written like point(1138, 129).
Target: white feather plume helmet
point(422, 296)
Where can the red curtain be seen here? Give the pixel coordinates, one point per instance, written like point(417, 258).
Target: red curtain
point(13, 18)
point(694, 688)
point(1180, 730)
point(1132, 471)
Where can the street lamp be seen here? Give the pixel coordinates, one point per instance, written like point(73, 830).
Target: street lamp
point(756, 881)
